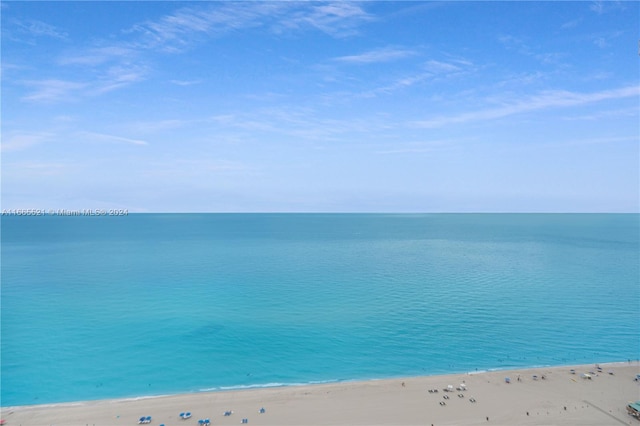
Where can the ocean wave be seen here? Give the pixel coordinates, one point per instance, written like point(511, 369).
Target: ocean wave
point(267, 385)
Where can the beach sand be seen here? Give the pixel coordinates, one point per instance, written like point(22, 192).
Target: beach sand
point(560, 398)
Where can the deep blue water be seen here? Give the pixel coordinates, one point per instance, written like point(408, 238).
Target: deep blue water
point(148, 304)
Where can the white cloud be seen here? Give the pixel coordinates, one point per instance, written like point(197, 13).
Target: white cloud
point(97, 55)
point(177, 31)
point(336, 19)
point(118, 76)
point(101, 137)
point(597, 7)
point(374, 56)
point(431, 70)
point(37, 28)
point(53, 90)
point(441, 67)
point(571, 24)
point(548, 99)
point(185, 82)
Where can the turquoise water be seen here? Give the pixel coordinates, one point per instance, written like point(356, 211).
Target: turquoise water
point(148, 304)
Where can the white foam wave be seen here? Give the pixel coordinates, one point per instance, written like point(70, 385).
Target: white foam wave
point(266, 385)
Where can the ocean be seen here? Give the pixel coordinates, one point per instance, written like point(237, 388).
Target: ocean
point(153, 304)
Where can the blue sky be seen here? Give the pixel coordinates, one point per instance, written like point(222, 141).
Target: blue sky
point(321, 106)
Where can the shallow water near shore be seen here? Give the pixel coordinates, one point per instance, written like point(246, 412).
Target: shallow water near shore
point(150, 304)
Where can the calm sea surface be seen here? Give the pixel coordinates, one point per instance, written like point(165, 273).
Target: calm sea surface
point(148, 304)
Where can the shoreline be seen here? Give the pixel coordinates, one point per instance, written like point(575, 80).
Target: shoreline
point(240, 388)
point(554, 396)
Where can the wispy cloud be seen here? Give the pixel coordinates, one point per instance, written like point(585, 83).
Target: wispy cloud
point(599, 115)
point(429, 71)
point(178, 31)
point(118, 76)
point(602, 7)
point(526, 48)
point(52, 90)
point(303, 124)
point(605, 40)
point(597, 7)
point(101, 137)
point(33, 28)
point(600, 141)
point(97, 55)
point(374, 56)
point(571, 24)
point(185, 82)
point(339, 19)
point(113, 66)
point(544, 100)
point(20, 141)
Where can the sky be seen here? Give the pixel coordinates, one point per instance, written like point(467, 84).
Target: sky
point(321, 106)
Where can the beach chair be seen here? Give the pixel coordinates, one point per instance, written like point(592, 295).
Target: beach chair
point(142, 420)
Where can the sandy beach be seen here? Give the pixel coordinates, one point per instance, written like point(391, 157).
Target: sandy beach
point(556, 396)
